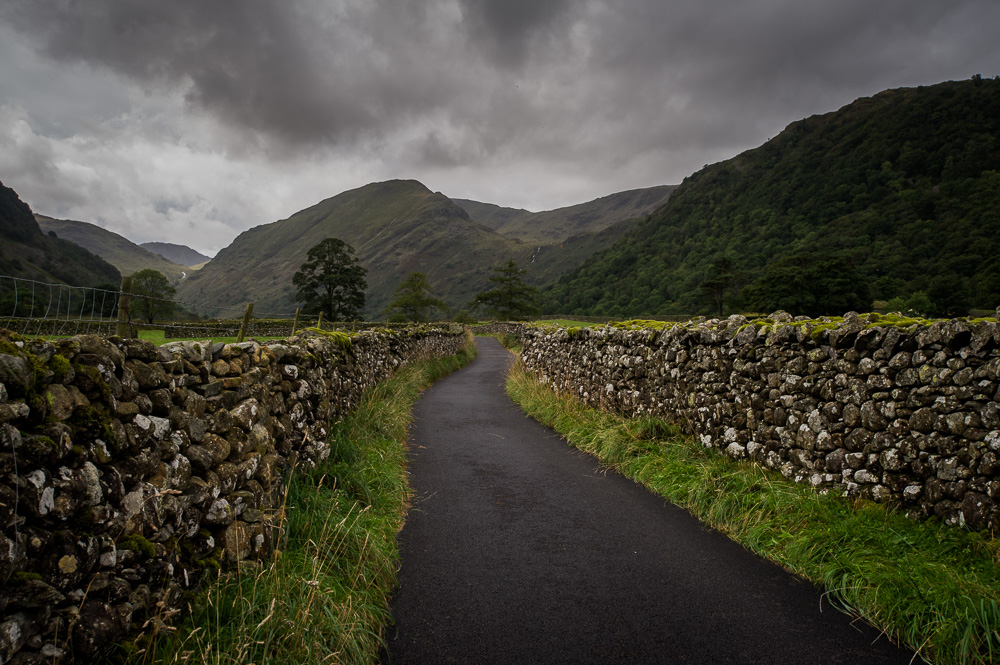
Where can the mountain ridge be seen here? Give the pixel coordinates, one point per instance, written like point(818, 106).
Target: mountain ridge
point(179, 254)
point(560, 224)
point(395, 227)
point(114, 248)
point(28, 253)
point(899, 191)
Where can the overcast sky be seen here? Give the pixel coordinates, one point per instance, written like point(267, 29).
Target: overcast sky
point(190, 121)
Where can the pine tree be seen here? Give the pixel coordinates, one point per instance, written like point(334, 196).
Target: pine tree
point(510, 299)
point(413, 300)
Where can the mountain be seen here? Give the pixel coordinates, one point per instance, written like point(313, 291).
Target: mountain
point(28, 253)
point(398, 227)
point(555, 226)
point(179, 254)
point(122, 253)
point(894, 197)
point(395, 227)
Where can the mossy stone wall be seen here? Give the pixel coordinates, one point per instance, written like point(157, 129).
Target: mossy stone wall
point(898, 411)
point(127, 470)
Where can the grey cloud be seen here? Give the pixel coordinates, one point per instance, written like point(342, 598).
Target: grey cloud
point(561, 99)
point(268, 67)
point(506, 29)
point(294, 76)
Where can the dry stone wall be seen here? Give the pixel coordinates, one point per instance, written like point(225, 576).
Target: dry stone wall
point(897, 411)
point(127, 470)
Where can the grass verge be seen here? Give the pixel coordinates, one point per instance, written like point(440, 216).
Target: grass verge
point(931, 587)
point(323, 597)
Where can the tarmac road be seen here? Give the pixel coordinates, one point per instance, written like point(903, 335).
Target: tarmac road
point(519, 549)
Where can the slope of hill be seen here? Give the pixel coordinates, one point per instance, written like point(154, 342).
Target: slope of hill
point(120, 252)
point(395, 227)
point(556, 226)
point(28, 253)
point(894, 196)
point(179, 254)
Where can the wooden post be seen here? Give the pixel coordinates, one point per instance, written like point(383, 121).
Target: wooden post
point(246, 323)
point(319, 324)
point(124, 300)
point(295, 324)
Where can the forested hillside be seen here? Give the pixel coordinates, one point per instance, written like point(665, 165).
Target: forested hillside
point(28, 253)
point(894, 198)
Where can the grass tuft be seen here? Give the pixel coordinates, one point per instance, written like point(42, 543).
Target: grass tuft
point(323, 596)
point(932, 587)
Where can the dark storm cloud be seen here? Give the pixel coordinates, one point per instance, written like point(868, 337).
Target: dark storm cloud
point(137, 105)
point(506, 29)
point(629, 73)
point(272, 68)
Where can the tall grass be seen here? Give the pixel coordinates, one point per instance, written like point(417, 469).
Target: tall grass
point(932, 587)
point(323, 596)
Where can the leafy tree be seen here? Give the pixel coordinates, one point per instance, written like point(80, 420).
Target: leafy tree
point(151, 293)
point(510, 299)
point(412, 299)
point(331, 281)
point(917, 304)
point(463, 316)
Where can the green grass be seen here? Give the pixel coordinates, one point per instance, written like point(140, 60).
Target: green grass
point(931, 587)
point(324, 594)
point(157, 338)
point(567, 323)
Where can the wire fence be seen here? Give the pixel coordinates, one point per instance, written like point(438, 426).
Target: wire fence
point(34, 308)
point(30, 307)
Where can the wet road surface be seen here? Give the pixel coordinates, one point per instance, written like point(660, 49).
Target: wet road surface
point(519, 549)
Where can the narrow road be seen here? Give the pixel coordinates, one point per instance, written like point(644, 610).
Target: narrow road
point(519, 549)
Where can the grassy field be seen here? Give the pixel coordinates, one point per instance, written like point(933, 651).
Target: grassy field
point(568, 323)
point(931, 587)
point(323, 597)
point(157, 338)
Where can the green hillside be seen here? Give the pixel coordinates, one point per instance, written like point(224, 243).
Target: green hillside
point(395, 227)
point(28, 253)
point(120, 252)
point(561, 224)
point(894, 196)
point(179, 254)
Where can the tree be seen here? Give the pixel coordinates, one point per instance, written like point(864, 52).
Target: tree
point(917, 304)
point(151, 293)
point(809, 284)
point(413, 299)
point(720, 282)
point(510, 299)
point(331, 281)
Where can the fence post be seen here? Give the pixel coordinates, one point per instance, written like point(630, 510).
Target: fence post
point(295, 323)
point(319, 324)
point(124, 301)
point(246, 323)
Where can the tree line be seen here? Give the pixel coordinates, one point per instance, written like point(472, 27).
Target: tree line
point(331, 281)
